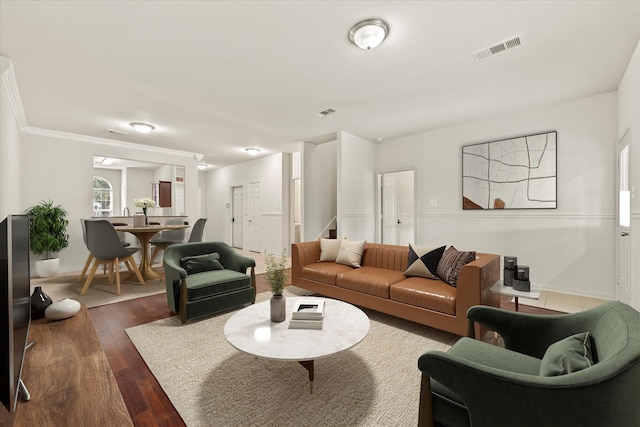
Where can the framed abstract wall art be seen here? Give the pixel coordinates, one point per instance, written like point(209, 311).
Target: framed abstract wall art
point(516, 173)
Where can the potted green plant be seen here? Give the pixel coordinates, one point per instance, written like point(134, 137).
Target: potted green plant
point(47, 236)
point(277, 279)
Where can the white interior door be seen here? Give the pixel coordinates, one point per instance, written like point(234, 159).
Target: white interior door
point(623, 252)
point(390, 217)
point(237, 219)
point(255, 215)
point(396, 207)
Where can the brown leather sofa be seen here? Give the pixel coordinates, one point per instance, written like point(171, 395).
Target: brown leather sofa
point(380, 284)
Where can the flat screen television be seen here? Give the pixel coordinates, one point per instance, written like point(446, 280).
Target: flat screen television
point(15, 305)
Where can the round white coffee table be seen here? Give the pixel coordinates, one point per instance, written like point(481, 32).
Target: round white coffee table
point(251, 331)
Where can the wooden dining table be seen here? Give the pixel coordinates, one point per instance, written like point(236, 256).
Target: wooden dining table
point(144, 235)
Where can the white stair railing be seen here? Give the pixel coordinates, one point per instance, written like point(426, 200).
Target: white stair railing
point(333, 220)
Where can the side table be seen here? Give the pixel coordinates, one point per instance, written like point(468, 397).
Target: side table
point(500, 288)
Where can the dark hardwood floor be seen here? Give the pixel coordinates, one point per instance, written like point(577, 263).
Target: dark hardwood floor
point(147, 403)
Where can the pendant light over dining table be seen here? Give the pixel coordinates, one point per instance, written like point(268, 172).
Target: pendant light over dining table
point(369, 33)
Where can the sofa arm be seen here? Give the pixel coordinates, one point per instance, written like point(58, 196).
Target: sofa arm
point(475, 281)
point(303, 254)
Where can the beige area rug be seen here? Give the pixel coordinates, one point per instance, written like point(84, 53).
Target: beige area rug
point(210, 383)
point(100, 292)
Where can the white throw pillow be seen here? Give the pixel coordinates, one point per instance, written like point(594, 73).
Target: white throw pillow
point(350, 252)
point(329, 249)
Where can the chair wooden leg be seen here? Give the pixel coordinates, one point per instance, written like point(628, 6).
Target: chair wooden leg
point(116, 264)
point(110, 271)
point(136, 270)
point(253, 283)
point(425, 409)
point(86, 266)
point(156, 249)
point(85, 288)
point(183, 301)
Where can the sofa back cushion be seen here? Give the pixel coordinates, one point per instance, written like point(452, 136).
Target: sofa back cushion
point(390, 257)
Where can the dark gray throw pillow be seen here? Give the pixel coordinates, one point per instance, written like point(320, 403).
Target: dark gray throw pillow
point(199, 263)
point(451, 263)
point(568, 355)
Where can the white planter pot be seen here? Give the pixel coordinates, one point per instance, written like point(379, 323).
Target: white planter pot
point(47, 267)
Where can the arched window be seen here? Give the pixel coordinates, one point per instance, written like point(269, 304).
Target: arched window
point(102, 197)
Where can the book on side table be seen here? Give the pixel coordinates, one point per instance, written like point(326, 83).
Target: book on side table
point(308, 313)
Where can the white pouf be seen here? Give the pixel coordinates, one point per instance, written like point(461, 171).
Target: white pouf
point(62, 309)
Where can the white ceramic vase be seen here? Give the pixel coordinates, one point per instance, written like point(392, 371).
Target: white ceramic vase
point(47, 267)
point(62, 309)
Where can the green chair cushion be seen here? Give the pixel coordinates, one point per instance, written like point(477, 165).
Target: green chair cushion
point(209, 283)
point(199, 263)
point(569, 355)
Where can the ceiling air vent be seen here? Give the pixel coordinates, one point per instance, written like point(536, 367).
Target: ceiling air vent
point(500, 47)
point(326, 112)
point(119, 132)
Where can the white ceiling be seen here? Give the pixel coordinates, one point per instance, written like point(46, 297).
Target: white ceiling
point(215, 77)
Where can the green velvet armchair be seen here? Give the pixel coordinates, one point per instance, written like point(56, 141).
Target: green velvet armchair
point(204, 278)
point(580, 369)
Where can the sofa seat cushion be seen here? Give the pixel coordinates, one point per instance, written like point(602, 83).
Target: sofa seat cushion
point(369, 280)
point(427, 293)
point(216, 282)
point(324, 272)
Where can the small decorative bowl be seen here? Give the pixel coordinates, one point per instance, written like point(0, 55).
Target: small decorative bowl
point(62, 309)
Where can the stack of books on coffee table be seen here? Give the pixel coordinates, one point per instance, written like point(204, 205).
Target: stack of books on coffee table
point(308, 313)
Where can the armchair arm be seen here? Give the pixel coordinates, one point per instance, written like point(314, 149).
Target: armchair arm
point(530, 334)
point(232, 260)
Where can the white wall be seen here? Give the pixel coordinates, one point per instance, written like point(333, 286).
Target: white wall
point(570, 249)
point(9, 148)
point(319, 196)
point(629, 118)
point(356, 188)
point(59, 167)
point(273, 172)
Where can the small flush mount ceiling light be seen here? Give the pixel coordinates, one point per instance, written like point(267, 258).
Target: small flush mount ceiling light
point(252, 150)
point(142, 127)
point(369, 33)
point(202, 166)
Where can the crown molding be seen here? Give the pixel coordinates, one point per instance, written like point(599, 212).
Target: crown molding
point(107, 142)
point(10, 85)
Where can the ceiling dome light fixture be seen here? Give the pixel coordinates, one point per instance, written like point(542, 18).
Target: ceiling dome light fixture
point(369, 33)
point(252, 150)
point(142, 127)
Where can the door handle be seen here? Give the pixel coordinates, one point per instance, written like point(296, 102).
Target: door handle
point(399, 222)
point(624, 234)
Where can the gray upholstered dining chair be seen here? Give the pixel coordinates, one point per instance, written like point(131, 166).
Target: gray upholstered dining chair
point(106, 248)
point(90, 256)
point(166, 238)
point(197, 230)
